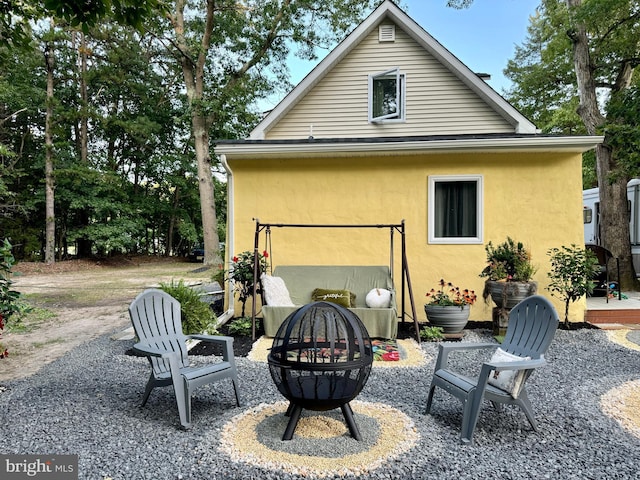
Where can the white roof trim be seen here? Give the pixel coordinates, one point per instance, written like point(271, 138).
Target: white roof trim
point(258, 150)
point(389, 10)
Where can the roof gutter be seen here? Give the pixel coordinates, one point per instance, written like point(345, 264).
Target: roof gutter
point(229, 313)
point(362, 147)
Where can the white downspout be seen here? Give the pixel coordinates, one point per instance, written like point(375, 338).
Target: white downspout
point(228, 315)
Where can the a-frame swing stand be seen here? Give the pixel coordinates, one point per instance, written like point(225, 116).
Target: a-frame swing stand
point(393, 228)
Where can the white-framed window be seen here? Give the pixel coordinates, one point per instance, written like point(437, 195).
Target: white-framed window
point(386, 96)
point(455, 209)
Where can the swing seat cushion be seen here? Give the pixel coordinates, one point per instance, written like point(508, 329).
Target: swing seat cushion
point(302, 280)
point(275, 291)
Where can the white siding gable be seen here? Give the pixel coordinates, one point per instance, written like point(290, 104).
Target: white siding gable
point(437, 101)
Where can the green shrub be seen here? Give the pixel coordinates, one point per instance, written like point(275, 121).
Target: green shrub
point(9, 298)
point(572, 271)
point(242, 326)
point(431, 334)
point(10, 303)
point(197, 317)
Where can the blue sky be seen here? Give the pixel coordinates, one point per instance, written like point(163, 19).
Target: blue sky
point(483, 36)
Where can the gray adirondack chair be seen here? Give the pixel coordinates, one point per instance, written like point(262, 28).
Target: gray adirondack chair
point(156, 320)
point(532, 326)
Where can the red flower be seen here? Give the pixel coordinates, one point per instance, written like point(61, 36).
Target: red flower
point(265, 254)
point(235, 259)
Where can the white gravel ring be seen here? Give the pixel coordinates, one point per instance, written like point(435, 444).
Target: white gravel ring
point(623, 404)
point(395, 435)
point(620, 337)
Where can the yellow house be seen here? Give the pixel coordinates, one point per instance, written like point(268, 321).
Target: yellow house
point(388, 118)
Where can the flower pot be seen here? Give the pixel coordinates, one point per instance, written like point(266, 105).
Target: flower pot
point(509, 294)
point(451, 318)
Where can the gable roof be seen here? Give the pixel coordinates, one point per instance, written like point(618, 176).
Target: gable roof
point(389, 11)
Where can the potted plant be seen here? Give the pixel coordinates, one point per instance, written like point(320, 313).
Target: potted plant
point(509, 274)
point(449, 306)
point(571, 274)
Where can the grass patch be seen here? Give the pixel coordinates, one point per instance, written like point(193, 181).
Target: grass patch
point(29, 321)
point(108, 285)
point(48, 342)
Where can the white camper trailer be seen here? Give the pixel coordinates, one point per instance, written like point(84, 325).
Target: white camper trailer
point(591, 213)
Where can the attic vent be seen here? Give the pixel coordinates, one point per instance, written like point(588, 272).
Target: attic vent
point(386, 33)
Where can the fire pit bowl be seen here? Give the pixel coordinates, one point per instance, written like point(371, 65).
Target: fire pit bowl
point(320, 360)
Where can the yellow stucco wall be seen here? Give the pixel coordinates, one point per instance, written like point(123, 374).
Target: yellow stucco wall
point(533, 197)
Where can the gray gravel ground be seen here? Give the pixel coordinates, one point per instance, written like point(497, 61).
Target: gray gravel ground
point(87, 403)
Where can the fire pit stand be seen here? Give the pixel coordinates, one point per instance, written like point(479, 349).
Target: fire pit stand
point(320, 360)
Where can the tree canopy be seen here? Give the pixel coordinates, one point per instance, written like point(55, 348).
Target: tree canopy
point(575, 74)
point(16, 16)
point(139, 90)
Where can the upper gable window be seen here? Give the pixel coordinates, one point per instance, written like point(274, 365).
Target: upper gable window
point(386, 96)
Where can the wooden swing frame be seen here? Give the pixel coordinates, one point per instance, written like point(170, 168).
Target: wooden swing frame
point(405, 276)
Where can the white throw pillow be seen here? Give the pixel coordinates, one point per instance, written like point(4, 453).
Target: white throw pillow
point(275, 291)
point(378, 298)
point(507, 380)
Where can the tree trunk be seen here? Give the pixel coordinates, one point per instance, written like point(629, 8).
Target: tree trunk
point(84, 245)
point(193, 72)
point(172, 222)
point(207, 191)
point(84, 101)
point(193, 61)
point(50, 222)
point(614, 219)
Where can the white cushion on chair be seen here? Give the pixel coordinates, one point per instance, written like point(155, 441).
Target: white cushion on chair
point(275, 291)
point(507, 380)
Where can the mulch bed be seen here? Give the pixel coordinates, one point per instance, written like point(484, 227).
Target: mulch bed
point(242, 344)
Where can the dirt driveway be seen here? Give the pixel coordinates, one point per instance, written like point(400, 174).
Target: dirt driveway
point(82, 300)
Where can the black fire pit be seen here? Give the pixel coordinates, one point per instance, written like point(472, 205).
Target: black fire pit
point(320, 360)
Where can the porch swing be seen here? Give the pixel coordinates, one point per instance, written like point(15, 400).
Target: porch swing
point(364, 276)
